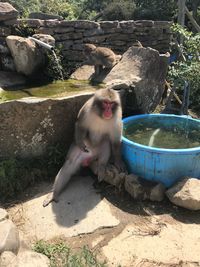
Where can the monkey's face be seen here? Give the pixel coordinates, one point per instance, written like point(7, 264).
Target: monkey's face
point(89, 48)
point(105, 108)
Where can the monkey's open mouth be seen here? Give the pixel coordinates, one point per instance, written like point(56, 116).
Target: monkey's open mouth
point(107, 116)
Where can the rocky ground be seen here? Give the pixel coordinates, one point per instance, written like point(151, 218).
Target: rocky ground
point(123, 231)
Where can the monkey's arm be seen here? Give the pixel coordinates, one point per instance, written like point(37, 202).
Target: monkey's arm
point(116, 153)
point(88, 62)
point(80, 136)
point(75, 159)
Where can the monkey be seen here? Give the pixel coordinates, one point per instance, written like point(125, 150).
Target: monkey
point(100, 57)
point(98, 132)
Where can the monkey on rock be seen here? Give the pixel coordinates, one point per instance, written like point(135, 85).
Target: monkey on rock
point(100, 57)
point(98, 134)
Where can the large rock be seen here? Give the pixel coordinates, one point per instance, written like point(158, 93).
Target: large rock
point(29, 126)
point(186, 193)
point(30, 259)
point(27, 57)
point(11, 79)
point(141, 71)
point(80, 210)
point(9, 237)
point(46, 38)
point(7, 12)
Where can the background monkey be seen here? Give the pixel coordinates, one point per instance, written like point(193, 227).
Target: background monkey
point(100, 57)
point(97, 136)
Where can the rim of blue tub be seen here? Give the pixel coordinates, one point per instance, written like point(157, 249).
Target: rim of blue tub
point(155, 149)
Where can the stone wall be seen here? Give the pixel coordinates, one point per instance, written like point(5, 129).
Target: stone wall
point(71, 35)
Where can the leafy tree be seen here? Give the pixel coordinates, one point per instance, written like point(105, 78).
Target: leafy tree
point(119, 10)
point(25, 6)
point(58, 7)
point(155, 9)
point(188, 68)
point(88, 9)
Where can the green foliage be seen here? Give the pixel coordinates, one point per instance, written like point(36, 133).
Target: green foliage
point(17, 174)
point(54, 69)
point(14, 177)
point(87, 9)
point(119, 10)
point(155, 9)
point(60, 255)
point(25, 6)
point(188, 69)
point(57, 7)
point(23, 30)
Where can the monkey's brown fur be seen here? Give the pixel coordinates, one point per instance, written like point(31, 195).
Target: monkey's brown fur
point(100, 57)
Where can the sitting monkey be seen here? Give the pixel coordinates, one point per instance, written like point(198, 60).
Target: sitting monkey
point(98, 134)
point(100, 57)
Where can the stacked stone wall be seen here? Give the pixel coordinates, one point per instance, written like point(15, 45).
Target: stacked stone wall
point(72, 35)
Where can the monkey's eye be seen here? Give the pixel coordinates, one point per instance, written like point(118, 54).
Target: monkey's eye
point(107, 104)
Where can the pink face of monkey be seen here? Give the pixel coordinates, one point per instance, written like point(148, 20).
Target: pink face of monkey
point(107, 112)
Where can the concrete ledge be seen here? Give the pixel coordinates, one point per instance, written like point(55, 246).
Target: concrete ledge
point(29, 126)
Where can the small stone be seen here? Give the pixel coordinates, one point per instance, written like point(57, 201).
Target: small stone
point(142, 189)
point(3, 215)
point(185, 193)
point(157, 193)
point(112, 176)
point(7, 257)
point(9, 237)
point(134, 188)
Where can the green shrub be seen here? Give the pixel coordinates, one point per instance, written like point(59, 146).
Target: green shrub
point(60, 255)
point(188, 69)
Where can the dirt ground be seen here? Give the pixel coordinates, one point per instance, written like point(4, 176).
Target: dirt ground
point(148, 233)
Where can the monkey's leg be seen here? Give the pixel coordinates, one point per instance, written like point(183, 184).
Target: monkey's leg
point(116, 153)
point(75, 158)
point(103, 158)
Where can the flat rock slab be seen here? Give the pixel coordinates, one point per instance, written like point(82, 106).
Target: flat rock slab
point(80, 210)
point(153, 242)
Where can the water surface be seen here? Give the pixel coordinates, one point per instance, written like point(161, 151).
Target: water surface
point(52, 90)
point(155, 134)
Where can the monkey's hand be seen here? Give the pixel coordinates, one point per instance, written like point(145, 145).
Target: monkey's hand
point(82, 146)
point(120, 165)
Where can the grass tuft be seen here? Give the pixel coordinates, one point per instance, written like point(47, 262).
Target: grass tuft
point(60, 255)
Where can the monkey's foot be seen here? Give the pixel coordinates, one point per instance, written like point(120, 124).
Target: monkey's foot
point(101, 173)
point(113, 176)
point(50, 198)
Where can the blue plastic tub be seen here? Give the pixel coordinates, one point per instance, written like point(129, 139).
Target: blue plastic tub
point(158, 164)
